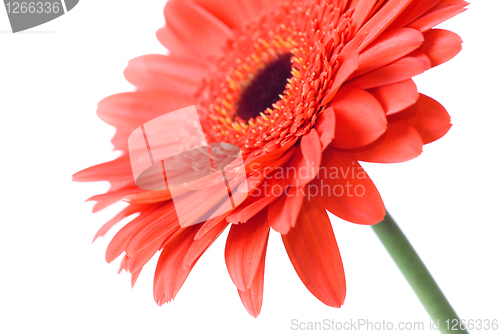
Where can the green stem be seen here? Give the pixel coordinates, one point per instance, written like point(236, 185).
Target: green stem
point(417, 275)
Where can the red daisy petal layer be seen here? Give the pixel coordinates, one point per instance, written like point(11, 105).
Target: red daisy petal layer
point(360, 119)
point(245, 246)
point(428, 117)
point(344, 189)
point(396, 97)
point(252, 297)
point(441, 45)
point(283, 213)
point(313, 251)
point(400, 70)
point(199, 27)
point(170, 274)
point(401, 142)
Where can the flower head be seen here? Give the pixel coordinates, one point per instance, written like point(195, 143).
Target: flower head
point(306, 89)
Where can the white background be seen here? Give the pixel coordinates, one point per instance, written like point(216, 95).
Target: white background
point(53, 280)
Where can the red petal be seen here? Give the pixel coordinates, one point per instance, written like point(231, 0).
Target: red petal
point(403, 69)
point(347, 68)
point(313, 251)
point(388, 47)
point(310, 146)
point(415, 10)
point(445, 10)
point(170, 274)
point(151, 196)
point(171, 73)
point(344, 189)
point(159, 229)
point(137, 261)
point(377, 25)
point(400, 143)
point(325, 125)
point(254, 163)
point(199, 205)
point(244, 248)
point(428, 117)
point(211, 224)
point(283, 212)
point(120, 240)
point(128, 211)
point(135, 276)
point(396, 97)
point(441, 45)
point(362, 9)
point(264, 195)
point(360, 119)
point(306, 161)
point(235, 14)
point(175, 45)
point(200, 245)
point(252, 297)
point(116, 195)
point(101, 205)
point(197, 27)
point(128, 111)
point(116, 170)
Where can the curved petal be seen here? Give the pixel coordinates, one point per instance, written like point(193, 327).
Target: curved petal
point(158, 229)
point(245, 212)
point(362, 10)
point(197, 27)
point(415, 10)
point(306, 161)
point(325, 125)
point(255, 163)
point(313, 251)
point(138, 260)
point(116, 195)
point(103, 204)
point(119, 242)
point(244, 248)
point(116, 170)
point(344, 189)
point(282, 213)
point(402, 69)
point(349, 65)
point(396, 97)
point(170, 275)
point(376, 25)
point(200, 245)
point(150, 196)
point(265, 194)
point(128, 211)
point(445, 10)
point(401, 142)
point(428, 117)
point(234, 13)
point(128, 111)
point(360, 119)
point(170, 73)
point(253, 296)
point(175, 45)
point(387, 48)
point(441, 45)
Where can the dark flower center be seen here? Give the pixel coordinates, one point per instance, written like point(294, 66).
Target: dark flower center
point(264, 90)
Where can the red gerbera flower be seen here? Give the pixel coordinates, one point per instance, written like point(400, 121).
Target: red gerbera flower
point(303, 85)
